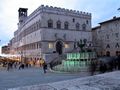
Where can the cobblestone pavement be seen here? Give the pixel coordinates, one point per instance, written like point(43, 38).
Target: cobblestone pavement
point(32, 76)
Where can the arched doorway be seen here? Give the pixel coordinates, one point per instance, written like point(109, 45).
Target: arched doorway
point(59, 47)
point(107, 53)
point(117, 53)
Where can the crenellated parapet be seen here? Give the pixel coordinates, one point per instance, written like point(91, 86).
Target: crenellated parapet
point(61, 11)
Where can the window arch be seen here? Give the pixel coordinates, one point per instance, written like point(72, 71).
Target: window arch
point(73, 20)
point(107, 36)
point(87, 22)
point(108, 46)
point(84, 27)
point(107, 53)
point(58, 25)
point(39, 24)
point(50, 23)
point(117, 45)
point(77, 26)
point(66, 25)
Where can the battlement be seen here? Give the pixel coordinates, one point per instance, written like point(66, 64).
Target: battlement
point(59, 10)
point(64, 10)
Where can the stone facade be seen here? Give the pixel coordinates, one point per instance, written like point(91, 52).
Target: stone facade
point(50, 30)
point(106, 37)
point(5, 49)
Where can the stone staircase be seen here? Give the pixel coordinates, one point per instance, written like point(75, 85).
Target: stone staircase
point(58, 60)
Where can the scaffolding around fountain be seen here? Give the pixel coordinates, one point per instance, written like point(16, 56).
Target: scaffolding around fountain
point(76, 62)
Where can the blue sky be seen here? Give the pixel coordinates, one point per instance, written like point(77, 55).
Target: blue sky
point(101, 10)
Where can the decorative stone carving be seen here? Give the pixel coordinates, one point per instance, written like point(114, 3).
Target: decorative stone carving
point(64, 36)
point(56, 35)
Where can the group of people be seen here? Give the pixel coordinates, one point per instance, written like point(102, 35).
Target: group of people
point(103, 67)
point(15, 65)
point(96, 65)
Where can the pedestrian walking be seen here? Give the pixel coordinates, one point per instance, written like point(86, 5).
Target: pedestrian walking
point(93, 67)
point(44, 67)
point(8, 66)
point(102, 67)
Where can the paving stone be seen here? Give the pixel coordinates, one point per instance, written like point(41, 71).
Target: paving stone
point(107, 81)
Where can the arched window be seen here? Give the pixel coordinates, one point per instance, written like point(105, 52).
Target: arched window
point(87, 22)
point(73, 20)
point(66, 25)
point(84, 27)
point(117, 45)
point(39, 24)
point(58, 25)
point(107, 53)
point(108, 46)
point(107, 36)
point(50, 23)
point(77, 26)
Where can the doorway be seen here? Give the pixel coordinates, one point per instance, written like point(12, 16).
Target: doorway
point(59, 47)
point(107, 53)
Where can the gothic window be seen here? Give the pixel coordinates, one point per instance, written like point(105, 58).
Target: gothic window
point(108, 46)
point(77, 26)
point(66, 25)
point(117, 45)
point(39, 24)
point(73, 20)
point(87, 22)
point(116, 34)
point(34, 27)
point(58, 25)
point(107, 36)
point(84, 27)
point(50, 23)
point(39, 45)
